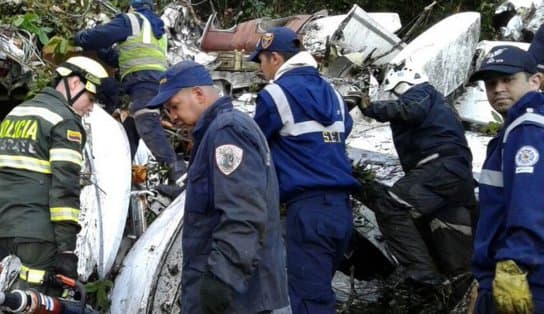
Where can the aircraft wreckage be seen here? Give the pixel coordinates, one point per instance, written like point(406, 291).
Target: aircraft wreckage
point(143, 258)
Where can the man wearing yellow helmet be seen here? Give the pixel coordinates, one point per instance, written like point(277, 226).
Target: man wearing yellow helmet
point(41, 141)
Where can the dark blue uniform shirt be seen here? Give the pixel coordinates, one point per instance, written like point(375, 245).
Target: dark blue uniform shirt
point(231, 224)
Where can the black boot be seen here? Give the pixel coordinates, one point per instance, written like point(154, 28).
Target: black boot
point(405, 241)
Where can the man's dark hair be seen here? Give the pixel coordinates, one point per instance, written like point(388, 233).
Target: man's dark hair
point(285, 55)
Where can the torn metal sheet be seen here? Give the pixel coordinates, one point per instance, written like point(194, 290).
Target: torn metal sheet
point(518, 20)
point(317, 32)
point(359, 32)
point(136, 284)
point(184, 30)
point(18, 56)
point(105, 201)
point(444, 51)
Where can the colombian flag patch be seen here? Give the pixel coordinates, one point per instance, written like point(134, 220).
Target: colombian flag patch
point(73, 136)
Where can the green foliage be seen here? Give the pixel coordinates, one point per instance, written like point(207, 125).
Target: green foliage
point(99, 290)
point(32, 23)
point(487, 10)
point(42, 78)
point(493, 127)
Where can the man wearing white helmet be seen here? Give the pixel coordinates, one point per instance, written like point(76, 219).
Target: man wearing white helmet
point(41, 141)
point(425, 216)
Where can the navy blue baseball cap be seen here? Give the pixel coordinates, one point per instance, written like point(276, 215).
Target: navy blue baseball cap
point(278, 39)
point(184, 74)
point(505, 60)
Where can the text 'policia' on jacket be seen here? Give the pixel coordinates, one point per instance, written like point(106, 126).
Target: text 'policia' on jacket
point(142, 50)
point(511, 198)
point(41, 142)
point(313, 123)
point(424, 107)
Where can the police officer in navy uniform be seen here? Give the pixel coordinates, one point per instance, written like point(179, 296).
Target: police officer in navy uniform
point(140, 56)
point(233, 253)
point(426, 216)
point(509, 242)
point(306, 123)
point(41, 143)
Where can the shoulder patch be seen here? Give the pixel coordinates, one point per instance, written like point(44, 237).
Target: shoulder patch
point(74, 136)
point(527, 156)
point(228, 157)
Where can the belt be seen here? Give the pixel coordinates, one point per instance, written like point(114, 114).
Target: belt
point(31, 275)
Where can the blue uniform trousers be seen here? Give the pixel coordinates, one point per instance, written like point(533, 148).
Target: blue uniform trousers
point(319, 226)
point(147, 125)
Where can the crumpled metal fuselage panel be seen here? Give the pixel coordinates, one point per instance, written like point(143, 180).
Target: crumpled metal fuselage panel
point(245, 36)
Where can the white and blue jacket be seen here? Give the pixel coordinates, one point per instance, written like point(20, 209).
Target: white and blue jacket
point(511, 223)
point(306, 124)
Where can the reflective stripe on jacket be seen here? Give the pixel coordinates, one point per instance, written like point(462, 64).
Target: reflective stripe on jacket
point(41, 141)
point(511, 198)
point(142, 50)
point(306, 123)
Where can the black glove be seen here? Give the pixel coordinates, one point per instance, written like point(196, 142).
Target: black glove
point(170, 190)
point(66, 264)
point(215, 295)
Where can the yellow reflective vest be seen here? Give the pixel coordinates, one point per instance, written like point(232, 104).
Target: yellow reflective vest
point(142, 50)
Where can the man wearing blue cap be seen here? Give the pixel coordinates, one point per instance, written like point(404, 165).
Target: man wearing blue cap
point(141, 58)
point(508, 257)
point(306, 123)
point(233, 253)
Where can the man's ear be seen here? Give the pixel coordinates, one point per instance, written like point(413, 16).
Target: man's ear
point(276, 58)
point(73, 82)
point(535, 80)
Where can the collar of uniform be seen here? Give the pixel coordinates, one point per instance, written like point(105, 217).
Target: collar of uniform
point(209, 115)
point(529, 100)
point(51, 92)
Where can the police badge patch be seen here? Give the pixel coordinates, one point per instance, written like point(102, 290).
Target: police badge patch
point(228, 157)
point(266, 40)
point(526, 158)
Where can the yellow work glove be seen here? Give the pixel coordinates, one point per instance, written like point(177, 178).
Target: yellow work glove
point(511, 289)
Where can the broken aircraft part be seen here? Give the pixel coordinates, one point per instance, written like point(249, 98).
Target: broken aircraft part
point(104, 203)
point(444, 51)
point(245, 36)
point(379, 45)
point(135, 285)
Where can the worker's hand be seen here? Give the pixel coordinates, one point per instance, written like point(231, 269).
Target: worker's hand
point(511, 289)
point(66, 264)
point(215, 295)
point(365, 102)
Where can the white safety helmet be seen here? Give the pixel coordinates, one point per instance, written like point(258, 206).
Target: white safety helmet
point(90, 71)
point(404, 73)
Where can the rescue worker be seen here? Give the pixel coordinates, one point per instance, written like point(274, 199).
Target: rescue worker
point(233, 253)
point(509, 241)
point(141, 58)
point(41, 143)
point(425, 216)
point(306, 124)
